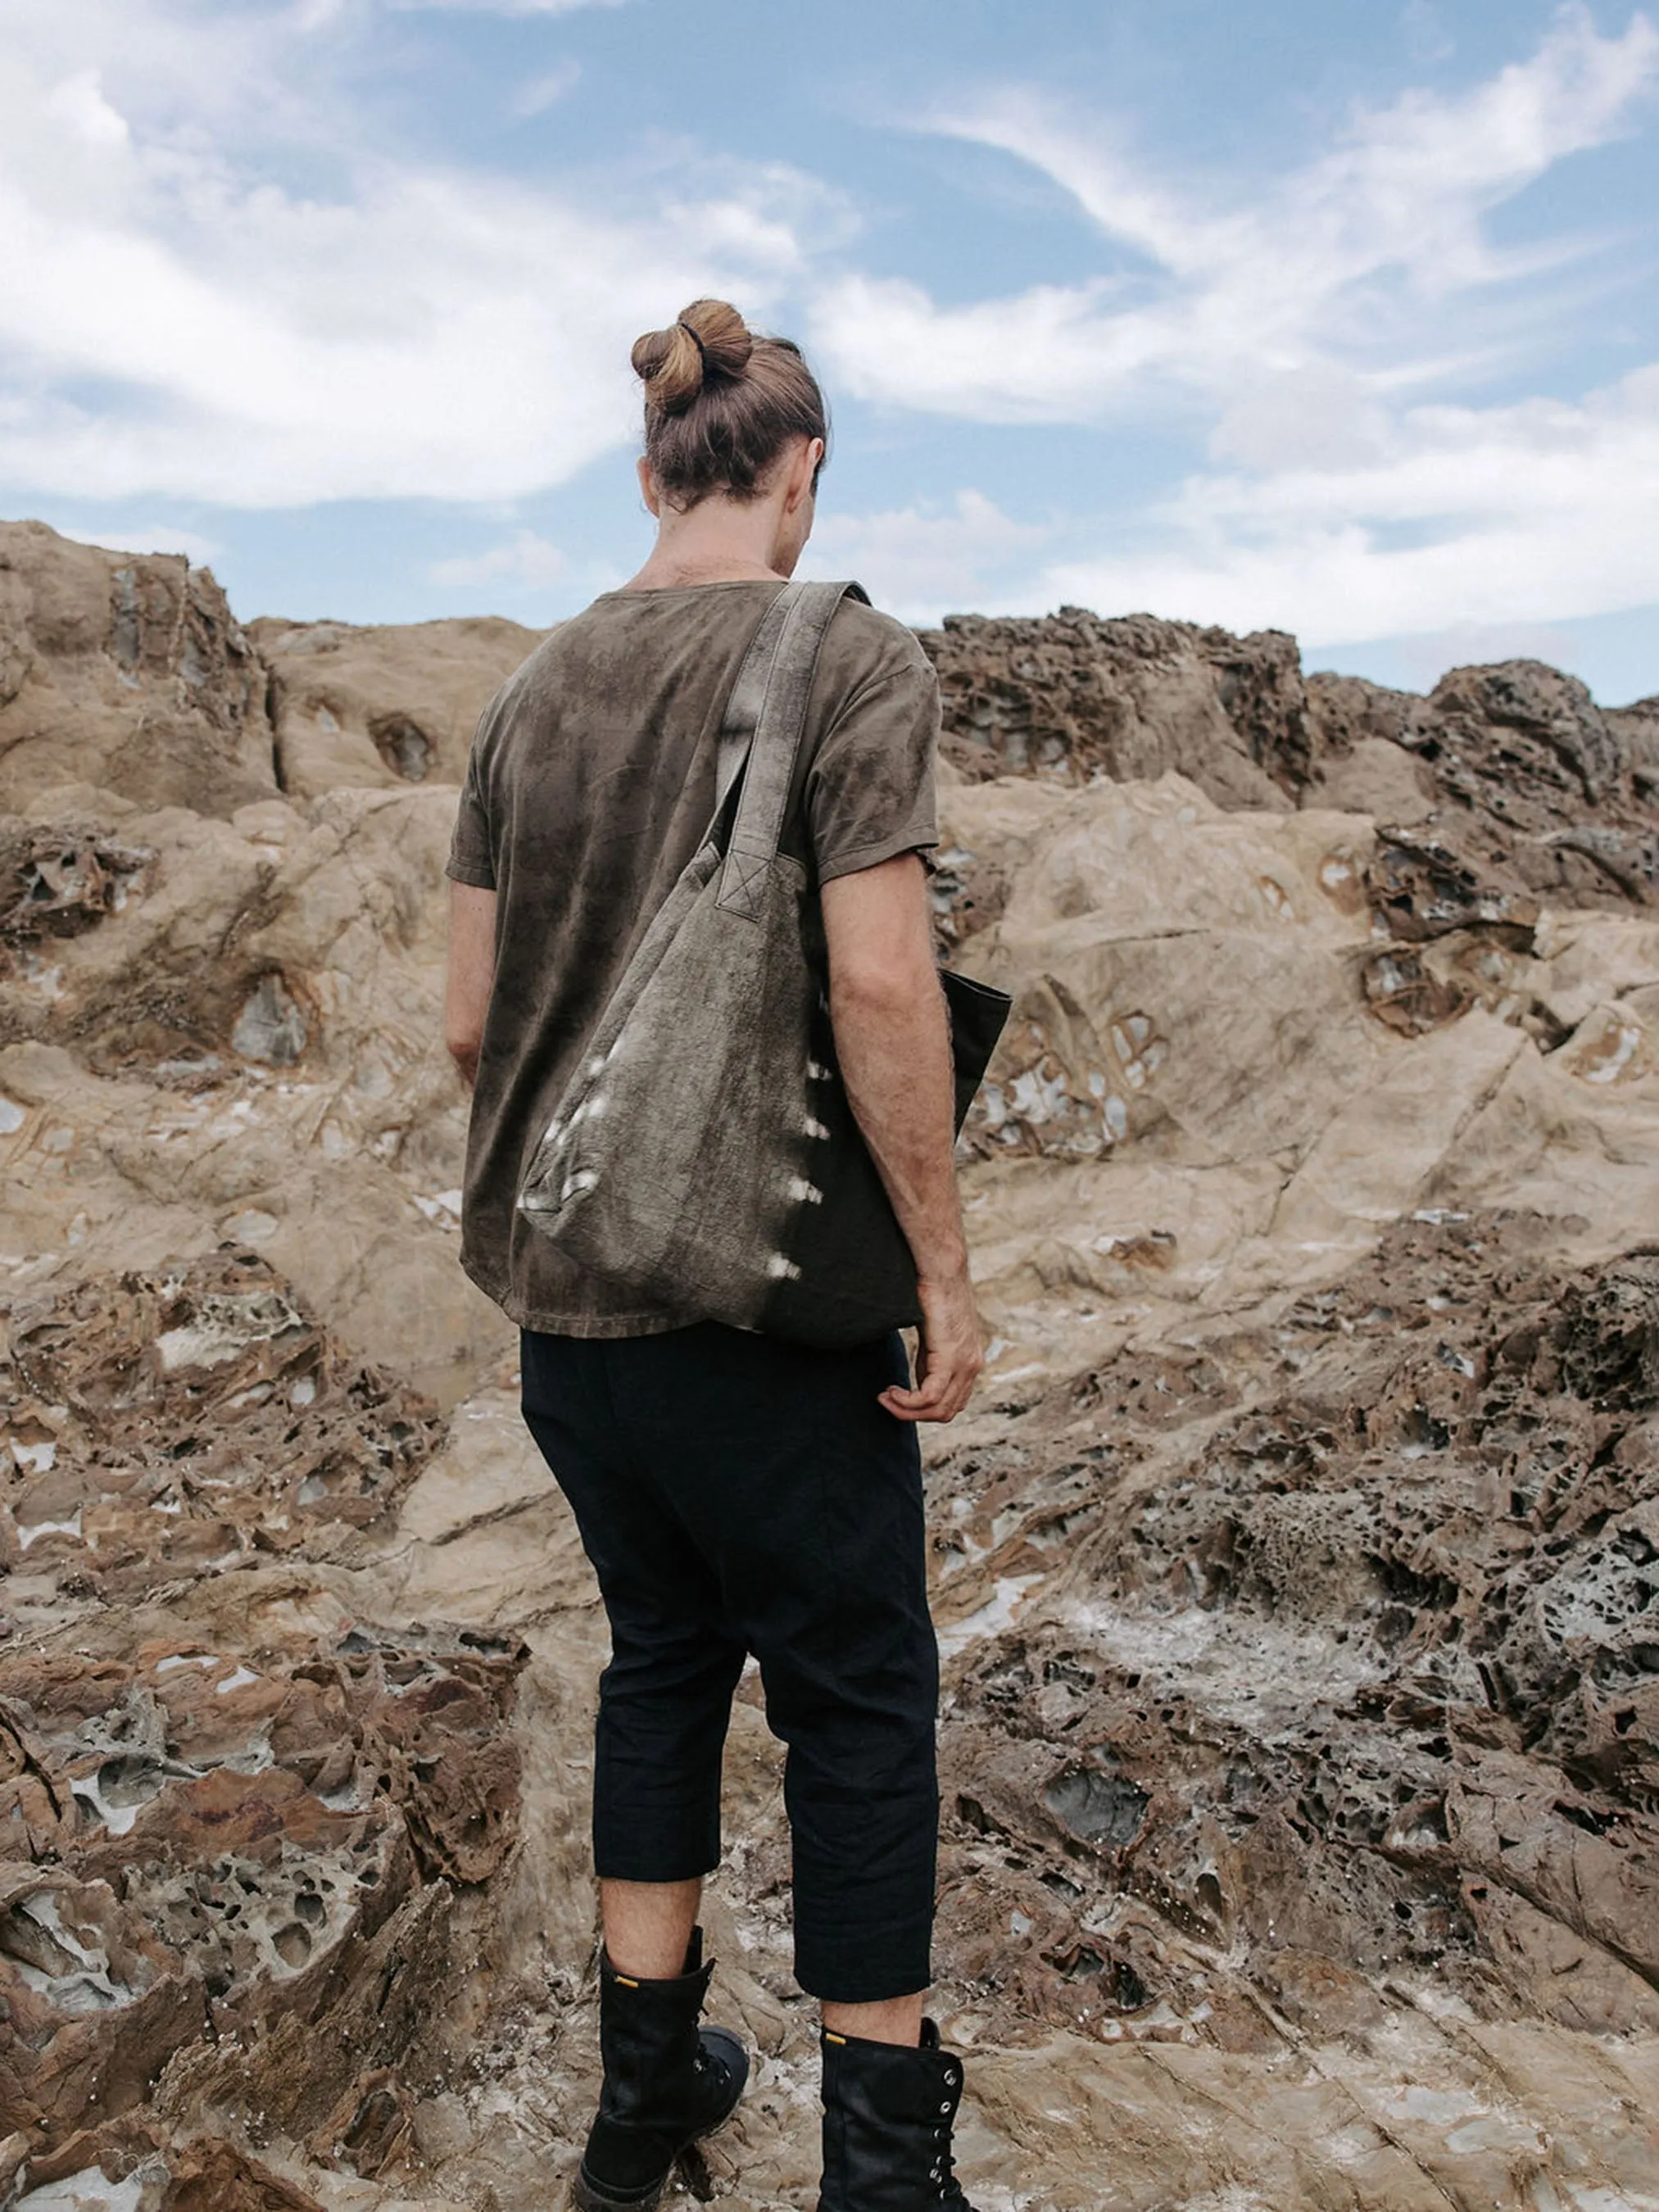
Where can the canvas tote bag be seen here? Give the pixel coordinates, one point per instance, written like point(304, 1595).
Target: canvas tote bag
point(705, 1155)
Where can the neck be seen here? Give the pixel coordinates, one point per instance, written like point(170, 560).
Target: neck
point(719, 541)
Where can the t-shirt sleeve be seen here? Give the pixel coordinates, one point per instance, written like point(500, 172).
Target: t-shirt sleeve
point(869, 793)
point(472, 858)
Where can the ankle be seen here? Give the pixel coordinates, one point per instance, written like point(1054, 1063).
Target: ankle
point(893, 2020)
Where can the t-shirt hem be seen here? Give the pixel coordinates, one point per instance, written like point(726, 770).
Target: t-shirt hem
point(479, 874)
point(872, 856)
point(652, 1321)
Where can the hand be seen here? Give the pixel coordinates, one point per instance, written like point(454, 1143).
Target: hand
point(949, 1354)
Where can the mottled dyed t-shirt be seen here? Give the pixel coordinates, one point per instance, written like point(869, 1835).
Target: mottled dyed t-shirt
point(591, 785)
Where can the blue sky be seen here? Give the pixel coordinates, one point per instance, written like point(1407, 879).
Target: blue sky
point(1336, 317)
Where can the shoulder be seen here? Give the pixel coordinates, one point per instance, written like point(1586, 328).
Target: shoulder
point(537, 679)
point(864, 646)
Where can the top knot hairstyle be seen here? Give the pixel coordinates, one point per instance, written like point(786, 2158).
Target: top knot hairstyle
point(721, 403)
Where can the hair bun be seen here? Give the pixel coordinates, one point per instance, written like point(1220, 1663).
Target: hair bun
point(709, 339)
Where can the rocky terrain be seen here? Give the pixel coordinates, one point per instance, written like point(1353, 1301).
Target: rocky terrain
point(1298, 1569)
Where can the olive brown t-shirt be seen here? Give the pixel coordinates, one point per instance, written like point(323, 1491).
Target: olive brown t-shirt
point(590, 785)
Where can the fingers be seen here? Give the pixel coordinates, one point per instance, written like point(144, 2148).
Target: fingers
point(949, 1354)
point(943, 1391)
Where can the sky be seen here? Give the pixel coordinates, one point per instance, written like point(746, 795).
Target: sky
point(1332, 316)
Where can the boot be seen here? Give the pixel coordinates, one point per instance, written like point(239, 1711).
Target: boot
point(667, 2084)
point(888, 2113)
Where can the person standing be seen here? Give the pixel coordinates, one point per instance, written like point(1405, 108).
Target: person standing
point(737, 1494)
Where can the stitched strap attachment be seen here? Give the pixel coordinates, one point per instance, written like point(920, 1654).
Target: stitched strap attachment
point(775, 685)
point(743, 708)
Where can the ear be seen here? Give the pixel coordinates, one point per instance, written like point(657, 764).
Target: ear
point(649, 491)
point(808, 456)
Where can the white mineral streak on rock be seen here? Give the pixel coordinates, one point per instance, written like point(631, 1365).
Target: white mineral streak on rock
point(90, 2191)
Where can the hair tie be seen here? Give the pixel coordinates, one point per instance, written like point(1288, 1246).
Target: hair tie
point(702, 351)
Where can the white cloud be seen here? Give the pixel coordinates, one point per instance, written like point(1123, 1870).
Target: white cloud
point(1538, 512)
point(1355, 257)
point(1304, 331)
point(525, 559)
point(923, 562)
point(412, 331)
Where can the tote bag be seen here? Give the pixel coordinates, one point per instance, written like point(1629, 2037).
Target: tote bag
point(705, 1156)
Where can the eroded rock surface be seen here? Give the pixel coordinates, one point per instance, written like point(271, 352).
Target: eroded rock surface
point(127, 670)
point(382, 706)
point(1298, 1569)
point(1523, 776)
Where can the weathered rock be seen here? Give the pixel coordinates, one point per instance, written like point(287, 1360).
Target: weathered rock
point(263, 1839)
point(247, 1045)
point(1295, 1568)
point(382, 706)
point(126, 670)
point(1637, 730)
point(1076, 698)
point(1530, 784)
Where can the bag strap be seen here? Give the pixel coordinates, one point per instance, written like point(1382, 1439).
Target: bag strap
point(765, 721)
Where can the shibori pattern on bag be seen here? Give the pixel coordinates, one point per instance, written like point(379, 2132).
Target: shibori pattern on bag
point(707, 1156)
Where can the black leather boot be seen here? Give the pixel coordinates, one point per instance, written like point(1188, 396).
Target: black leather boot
point(667, 2084)
point(888, 2113)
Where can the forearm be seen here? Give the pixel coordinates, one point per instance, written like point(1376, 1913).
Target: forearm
point(894, 1048)
point(471, 974)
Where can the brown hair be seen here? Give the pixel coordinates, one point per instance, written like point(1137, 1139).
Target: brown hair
point(721, 403)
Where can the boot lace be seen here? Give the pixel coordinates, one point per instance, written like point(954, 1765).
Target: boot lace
point(942, 2173)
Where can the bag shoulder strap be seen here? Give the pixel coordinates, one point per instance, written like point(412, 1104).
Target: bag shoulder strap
point(765, 721)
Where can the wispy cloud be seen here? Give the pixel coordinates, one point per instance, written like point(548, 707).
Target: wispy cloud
point(1541, 510)
point(410, 329)
point(925, 561)
point(1325, 338)
point(540, 93)
point(1355, 257)
point(525, 559)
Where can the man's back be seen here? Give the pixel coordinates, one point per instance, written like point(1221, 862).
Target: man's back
point(591, 786)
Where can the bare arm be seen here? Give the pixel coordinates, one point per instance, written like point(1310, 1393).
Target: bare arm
point(893, 1043)
point(472, 972)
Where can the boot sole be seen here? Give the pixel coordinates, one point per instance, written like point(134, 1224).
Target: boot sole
point(587, 2197)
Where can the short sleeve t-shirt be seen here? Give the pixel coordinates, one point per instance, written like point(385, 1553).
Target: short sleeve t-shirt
point(590, 786)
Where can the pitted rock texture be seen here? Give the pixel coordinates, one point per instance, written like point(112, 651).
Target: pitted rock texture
point(229, 1862)
point(229, 1031)
point(1332, 1656)
point(1073, 696)
point(1531, 784)
point(189, 1421)
point(126, 670)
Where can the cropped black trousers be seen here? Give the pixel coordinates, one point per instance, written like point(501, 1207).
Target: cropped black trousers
point(739, 1495)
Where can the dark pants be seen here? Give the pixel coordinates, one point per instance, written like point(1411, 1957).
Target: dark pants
point(737, 1494)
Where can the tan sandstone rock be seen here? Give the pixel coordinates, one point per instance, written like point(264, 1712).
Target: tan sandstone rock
point(1294, 1567)
point(382, 706)
point(127, 670)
